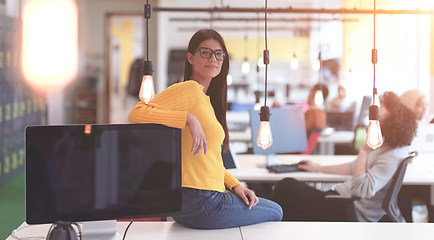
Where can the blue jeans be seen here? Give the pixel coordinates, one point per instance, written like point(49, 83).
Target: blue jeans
point(204, 209)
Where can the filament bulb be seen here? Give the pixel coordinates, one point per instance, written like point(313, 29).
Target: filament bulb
point(245, 67)
point(319, 99)
point(147, 92)
point(374, 137)
point(264, 139)
point(294, 63)
point(257, 106)
point(316, 65)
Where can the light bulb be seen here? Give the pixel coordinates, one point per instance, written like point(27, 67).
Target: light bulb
point(374, 137)
point(294, 63)
point(245, 67)
point(257, 106)
point(316, 65)
point(229, 79)
point(147, 92)
point(319, 99)
point(261, 62)
point(264, 139)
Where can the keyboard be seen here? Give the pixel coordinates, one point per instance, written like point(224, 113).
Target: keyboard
point(281, 168)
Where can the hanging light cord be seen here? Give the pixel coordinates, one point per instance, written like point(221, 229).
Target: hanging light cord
point(319, 50)
point(266, 54)
point(374, 58)
point(147, 16)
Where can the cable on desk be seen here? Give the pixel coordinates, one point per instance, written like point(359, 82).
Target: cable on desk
point(126, 230)
point(14, 234)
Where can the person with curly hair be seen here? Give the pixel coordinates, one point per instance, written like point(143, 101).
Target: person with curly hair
point(371, 173)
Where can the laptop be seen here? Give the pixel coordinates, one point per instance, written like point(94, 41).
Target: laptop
point(229, 160)
point(423, 142)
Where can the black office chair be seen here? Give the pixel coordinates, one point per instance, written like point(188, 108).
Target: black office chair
point(390, 201)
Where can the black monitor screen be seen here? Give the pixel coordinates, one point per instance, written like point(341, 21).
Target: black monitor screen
point(102, 172)
point(340, 120)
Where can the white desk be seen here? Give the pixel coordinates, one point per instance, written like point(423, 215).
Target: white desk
point(327, 143)
point(419, 172)
point(146, 230)
point(274, 231)
point(338, 231)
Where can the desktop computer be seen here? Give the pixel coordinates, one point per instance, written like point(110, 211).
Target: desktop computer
point(287, 128)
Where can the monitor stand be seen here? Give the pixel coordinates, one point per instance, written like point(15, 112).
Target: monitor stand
point(271, 160)
point(96, 230)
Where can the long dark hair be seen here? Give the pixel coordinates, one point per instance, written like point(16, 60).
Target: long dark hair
point(217, 90)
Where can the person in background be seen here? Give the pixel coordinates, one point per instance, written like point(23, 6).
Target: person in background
point(198, 107)
point(410, 196)
point(315, 117)
point(417, 102)
point(341, 103)
point(371, 173)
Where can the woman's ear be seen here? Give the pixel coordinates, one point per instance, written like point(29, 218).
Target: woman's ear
point(190, 58)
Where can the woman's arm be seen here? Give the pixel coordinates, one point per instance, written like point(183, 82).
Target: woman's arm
point(310, 166)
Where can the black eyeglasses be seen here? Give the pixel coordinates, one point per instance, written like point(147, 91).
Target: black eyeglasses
point(207, 53)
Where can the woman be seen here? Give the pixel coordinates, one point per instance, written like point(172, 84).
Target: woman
point(417, 102)
point(371, 173)
point(416, 194)
point(198, 107)
point(315, 117)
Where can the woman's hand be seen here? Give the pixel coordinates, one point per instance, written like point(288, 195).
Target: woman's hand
point(365, 148)
point(199, 140)
point(308, 165)
point(243, 193)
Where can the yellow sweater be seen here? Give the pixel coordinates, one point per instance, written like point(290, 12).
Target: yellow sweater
point(170, 107)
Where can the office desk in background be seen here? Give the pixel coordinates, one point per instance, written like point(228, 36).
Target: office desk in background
point(268, 230)
point(252, 168)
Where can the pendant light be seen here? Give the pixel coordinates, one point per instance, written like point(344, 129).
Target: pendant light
point(319, 97)
point(374, 137)
point(294, 60)
point(147, 92)
point(257, 106)
point(265, 139)
point(245, 67)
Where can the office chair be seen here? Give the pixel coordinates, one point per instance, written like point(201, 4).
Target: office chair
point(359, 137)
point(312, 140)
point(390, 201)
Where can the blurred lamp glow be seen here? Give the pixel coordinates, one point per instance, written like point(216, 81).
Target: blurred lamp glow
point(245, 67)
point(49, 54)
point(229, 79)
point(261, 62)
point(294, 63)
point(316, 65)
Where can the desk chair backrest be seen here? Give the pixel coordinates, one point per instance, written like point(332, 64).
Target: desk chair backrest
point(359, 137)
point(312, 140)
point(390, 201)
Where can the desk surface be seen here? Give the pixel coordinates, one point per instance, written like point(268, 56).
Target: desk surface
point(145, 230)
point(252, 168)
point(275, 231)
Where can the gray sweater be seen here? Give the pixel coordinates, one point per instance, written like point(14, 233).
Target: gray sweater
point(372, 186)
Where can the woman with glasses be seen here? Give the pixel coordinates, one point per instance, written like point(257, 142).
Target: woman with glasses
point(211, 197)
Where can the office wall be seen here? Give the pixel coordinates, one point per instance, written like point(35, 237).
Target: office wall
point(403, 43)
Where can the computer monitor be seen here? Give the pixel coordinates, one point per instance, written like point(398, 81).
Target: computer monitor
point(229, 160)
point(288, 129)
point(83, 173)
point(364, 112)
point(341, 121)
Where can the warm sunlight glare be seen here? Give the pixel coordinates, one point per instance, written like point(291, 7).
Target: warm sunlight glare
point(50, 42)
